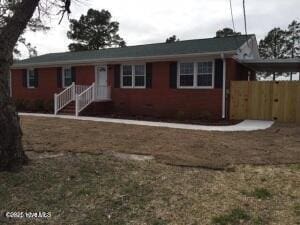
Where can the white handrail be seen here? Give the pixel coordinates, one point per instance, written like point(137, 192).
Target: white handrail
point(83, 95)
point(68, 95)
point(84, 99)
point(81, 88)
point(64, 98)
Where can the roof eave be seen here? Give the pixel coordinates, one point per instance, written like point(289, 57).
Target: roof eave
point(122, 59)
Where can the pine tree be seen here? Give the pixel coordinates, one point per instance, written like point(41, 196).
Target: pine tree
point(273, 46)
point(293, 42)
point(94, 31)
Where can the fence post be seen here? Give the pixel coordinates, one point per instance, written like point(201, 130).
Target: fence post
point(55, 104)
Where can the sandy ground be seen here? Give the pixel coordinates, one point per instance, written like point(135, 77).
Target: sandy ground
point(277, 145)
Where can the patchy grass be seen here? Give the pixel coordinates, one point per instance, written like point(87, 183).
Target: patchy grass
point(236, 216)
point(101, 189)
point(96, 188)
point(277, 145)
point(258, 221)
point(259, 193)
point(295, 167)
point(297, 209)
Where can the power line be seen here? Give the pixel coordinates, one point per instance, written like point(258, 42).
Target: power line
point(233, 26)
point(245, 20)
point(232, 19)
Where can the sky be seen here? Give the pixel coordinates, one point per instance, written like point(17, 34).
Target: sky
point(152, 21)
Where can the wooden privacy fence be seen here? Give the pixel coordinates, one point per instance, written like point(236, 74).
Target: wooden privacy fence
point(265, 100)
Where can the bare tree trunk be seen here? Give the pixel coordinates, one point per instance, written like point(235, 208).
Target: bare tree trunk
point(12, 155)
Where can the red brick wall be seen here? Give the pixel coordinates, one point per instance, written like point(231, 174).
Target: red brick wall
point(162, 101)
point(85, 75)
point(158, 101)
point(45, 90)
point(236, 71)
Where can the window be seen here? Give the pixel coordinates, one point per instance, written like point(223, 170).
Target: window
point(196, 74)
point(127, 75)
point(186, 74)
point(67, 77)
point(133, 76)
point(204, 74)
point(30, 78)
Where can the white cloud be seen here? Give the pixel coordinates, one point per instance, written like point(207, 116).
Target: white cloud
point(144, 21)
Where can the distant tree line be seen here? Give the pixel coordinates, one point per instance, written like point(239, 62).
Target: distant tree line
point(281, 44)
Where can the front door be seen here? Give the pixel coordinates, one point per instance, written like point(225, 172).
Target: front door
point(101, 75)
point(101, 89)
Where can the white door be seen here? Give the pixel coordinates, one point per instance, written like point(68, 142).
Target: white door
point(101, 83)
point(101, 75)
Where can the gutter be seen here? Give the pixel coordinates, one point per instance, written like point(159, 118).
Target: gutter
point(118, 60)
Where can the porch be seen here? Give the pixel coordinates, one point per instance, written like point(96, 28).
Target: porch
point(81, 96)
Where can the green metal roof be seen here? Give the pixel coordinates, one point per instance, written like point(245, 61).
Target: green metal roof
point(198, 46)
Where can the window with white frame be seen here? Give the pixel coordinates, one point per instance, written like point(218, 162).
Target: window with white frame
point(133, 76)
point(186, 75)
point(30, 78)
point(67, 76)
point(205, 74)
point(196, 74)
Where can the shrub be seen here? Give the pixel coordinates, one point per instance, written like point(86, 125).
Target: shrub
point(22, 105)
point(49, 106)
point(38, 106)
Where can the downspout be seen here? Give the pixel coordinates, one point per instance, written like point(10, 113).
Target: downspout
point(224, 88)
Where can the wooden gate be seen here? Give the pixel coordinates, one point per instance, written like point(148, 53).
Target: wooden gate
point(265, 100)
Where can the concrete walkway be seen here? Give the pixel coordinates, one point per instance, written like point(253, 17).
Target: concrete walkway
point(247, 125)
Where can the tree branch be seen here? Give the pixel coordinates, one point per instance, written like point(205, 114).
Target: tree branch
point(15, 27)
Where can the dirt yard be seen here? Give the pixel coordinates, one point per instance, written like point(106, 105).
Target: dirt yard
point(80, 189)
point(109, 187)
point(277, 145)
